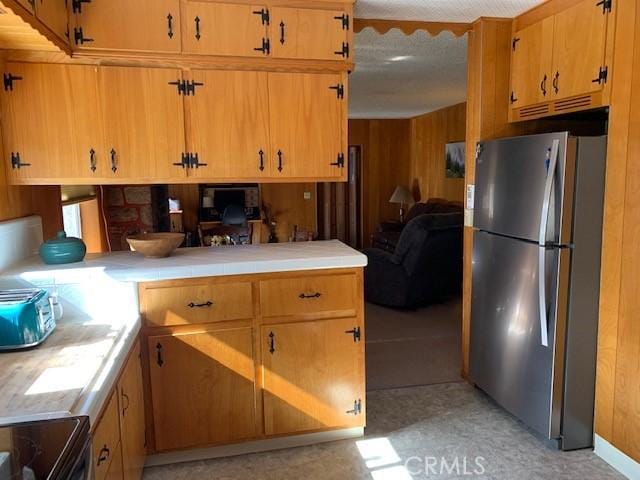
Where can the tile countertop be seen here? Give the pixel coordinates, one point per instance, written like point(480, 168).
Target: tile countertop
point(196, 262)
point(73, 371)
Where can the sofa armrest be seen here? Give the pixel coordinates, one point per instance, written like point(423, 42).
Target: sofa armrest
point(385, 280)
point(390, 227)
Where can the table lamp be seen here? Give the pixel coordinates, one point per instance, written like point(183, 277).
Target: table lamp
point(403, 196)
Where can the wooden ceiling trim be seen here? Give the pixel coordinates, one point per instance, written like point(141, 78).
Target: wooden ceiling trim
point(409, 27)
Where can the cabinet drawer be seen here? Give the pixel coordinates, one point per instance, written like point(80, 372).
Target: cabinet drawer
point(309, 295)
point(201, 303)
point(106, 439)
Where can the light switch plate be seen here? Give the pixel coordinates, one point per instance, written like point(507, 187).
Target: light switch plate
point(307, 195)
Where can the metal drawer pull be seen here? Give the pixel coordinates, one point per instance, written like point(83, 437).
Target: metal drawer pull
point(272, 346)
point(104, 455)
point(125, 398)
point(200, 305)
point(93, 164)
point(313, 295)
point(159, 359)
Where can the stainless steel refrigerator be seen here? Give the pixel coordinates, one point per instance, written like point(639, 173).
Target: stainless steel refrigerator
point(538, 208)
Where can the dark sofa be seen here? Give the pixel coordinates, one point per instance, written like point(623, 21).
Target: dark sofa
point(425, 267)
point(388, 233)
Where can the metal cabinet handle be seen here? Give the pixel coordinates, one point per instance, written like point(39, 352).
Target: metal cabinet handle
point(556, 82)
point(104, 455)
point(159, 359)
point(282, 25)
point(114, 160)
point(197, 22)
point(542, 241)
point(200, 305)
point(261, 165)
point(543, 86)
point(313, 295)
point(272, 345)
point(125, 397)
point(280, 160)
point(93, 164)
point(170, 25)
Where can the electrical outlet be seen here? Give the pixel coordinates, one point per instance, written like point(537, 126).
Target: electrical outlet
point(307, 195)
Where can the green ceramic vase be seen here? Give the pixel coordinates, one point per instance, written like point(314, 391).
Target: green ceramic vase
point(62, 249)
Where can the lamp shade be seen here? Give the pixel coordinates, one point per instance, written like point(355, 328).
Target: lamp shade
point(401, 195)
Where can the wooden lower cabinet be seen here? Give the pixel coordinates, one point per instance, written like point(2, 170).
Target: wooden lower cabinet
point(118, 438)
point(132, 419)
point(278, 370)
point(313, 375)
point(202, 387)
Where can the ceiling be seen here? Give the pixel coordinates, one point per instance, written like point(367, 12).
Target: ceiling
point(441, 10)
point(400, 76)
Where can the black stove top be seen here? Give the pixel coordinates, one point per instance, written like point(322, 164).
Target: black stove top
point(48, 449)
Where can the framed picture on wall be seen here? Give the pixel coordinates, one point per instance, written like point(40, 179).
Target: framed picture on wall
point(454, 160)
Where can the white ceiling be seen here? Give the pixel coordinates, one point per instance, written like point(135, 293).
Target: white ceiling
point(399, 76)
point(441, 10)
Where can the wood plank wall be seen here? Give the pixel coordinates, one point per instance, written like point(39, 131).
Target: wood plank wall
point(429, 135)
point(618, 374)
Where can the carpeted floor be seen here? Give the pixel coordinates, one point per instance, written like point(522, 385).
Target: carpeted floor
point(438, 432)
point(407, 348)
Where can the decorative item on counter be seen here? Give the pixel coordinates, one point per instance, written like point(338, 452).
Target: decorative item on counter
point(155, 245)
point(269, 220)
point(62, 249)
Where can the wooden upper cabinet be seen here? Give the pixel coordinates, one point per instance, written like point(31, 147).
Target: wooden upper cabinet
point(304, 33)
point(52, 127)
point(229, 119)
point(132, 420)
point(144, 123)
point(54, 14)
point(579, 43)
point(151, 26)
point(324, 390)
point(203, 387)
point(531, 58)
point(224, 29)
point(308, 125)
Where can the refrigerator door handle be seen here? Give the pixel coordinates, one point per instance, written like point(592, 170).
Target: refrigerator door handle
point(542, 240)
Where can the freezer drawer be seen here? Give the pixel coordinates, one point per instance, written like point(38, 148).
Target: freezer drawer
point(511, 185)
point(508, 359)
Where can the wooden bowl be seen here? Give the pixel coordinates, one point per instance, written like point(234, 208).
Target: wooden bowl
point(155, 245)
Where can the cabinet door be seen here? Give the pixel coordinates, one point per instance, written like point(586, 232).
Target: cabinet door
point(203, 387)
point(132, 422)
point(579, 49)
point(106, 440)
point(313, 376)
point(307, 121)
point(306, 33)
point(144, 123)
point(531, 56)
point(224, 29)
point(51, 120)
point(229, 118)
point(116, 471)
point(54, 14)
point(152, 26)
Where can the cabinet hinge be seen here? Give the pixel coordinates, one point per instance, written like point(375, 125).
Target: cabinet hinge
point(8, 81)
point(264, 15)
point(514, 42)
point(479, 149)
point(78, 36)
point(603, 74)
point(344, 52)
point(339, 88)
point(339, 161)
point(512, 98)
point(344, 18)
point(186, 87)
point(265, 48)
point(16, 162)
point(190, 160)
point(76, 5)
point(355, 331)
point(607, 6)
point(357, 408)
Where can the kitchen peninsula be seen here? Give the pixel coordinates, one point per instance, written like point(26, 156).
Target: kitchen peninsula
point(240, 348)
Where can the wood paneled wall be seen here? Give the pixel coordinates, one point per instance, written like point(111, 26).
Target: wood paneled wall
point(386, 159)
point(618, 374)
point(429, 135)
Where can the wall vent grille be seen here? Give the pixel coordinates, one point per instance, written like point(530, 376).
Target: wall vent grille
point(573, 103)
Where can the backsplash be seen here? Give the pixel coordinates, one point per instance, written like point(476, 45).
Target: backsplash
point(19, 239)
